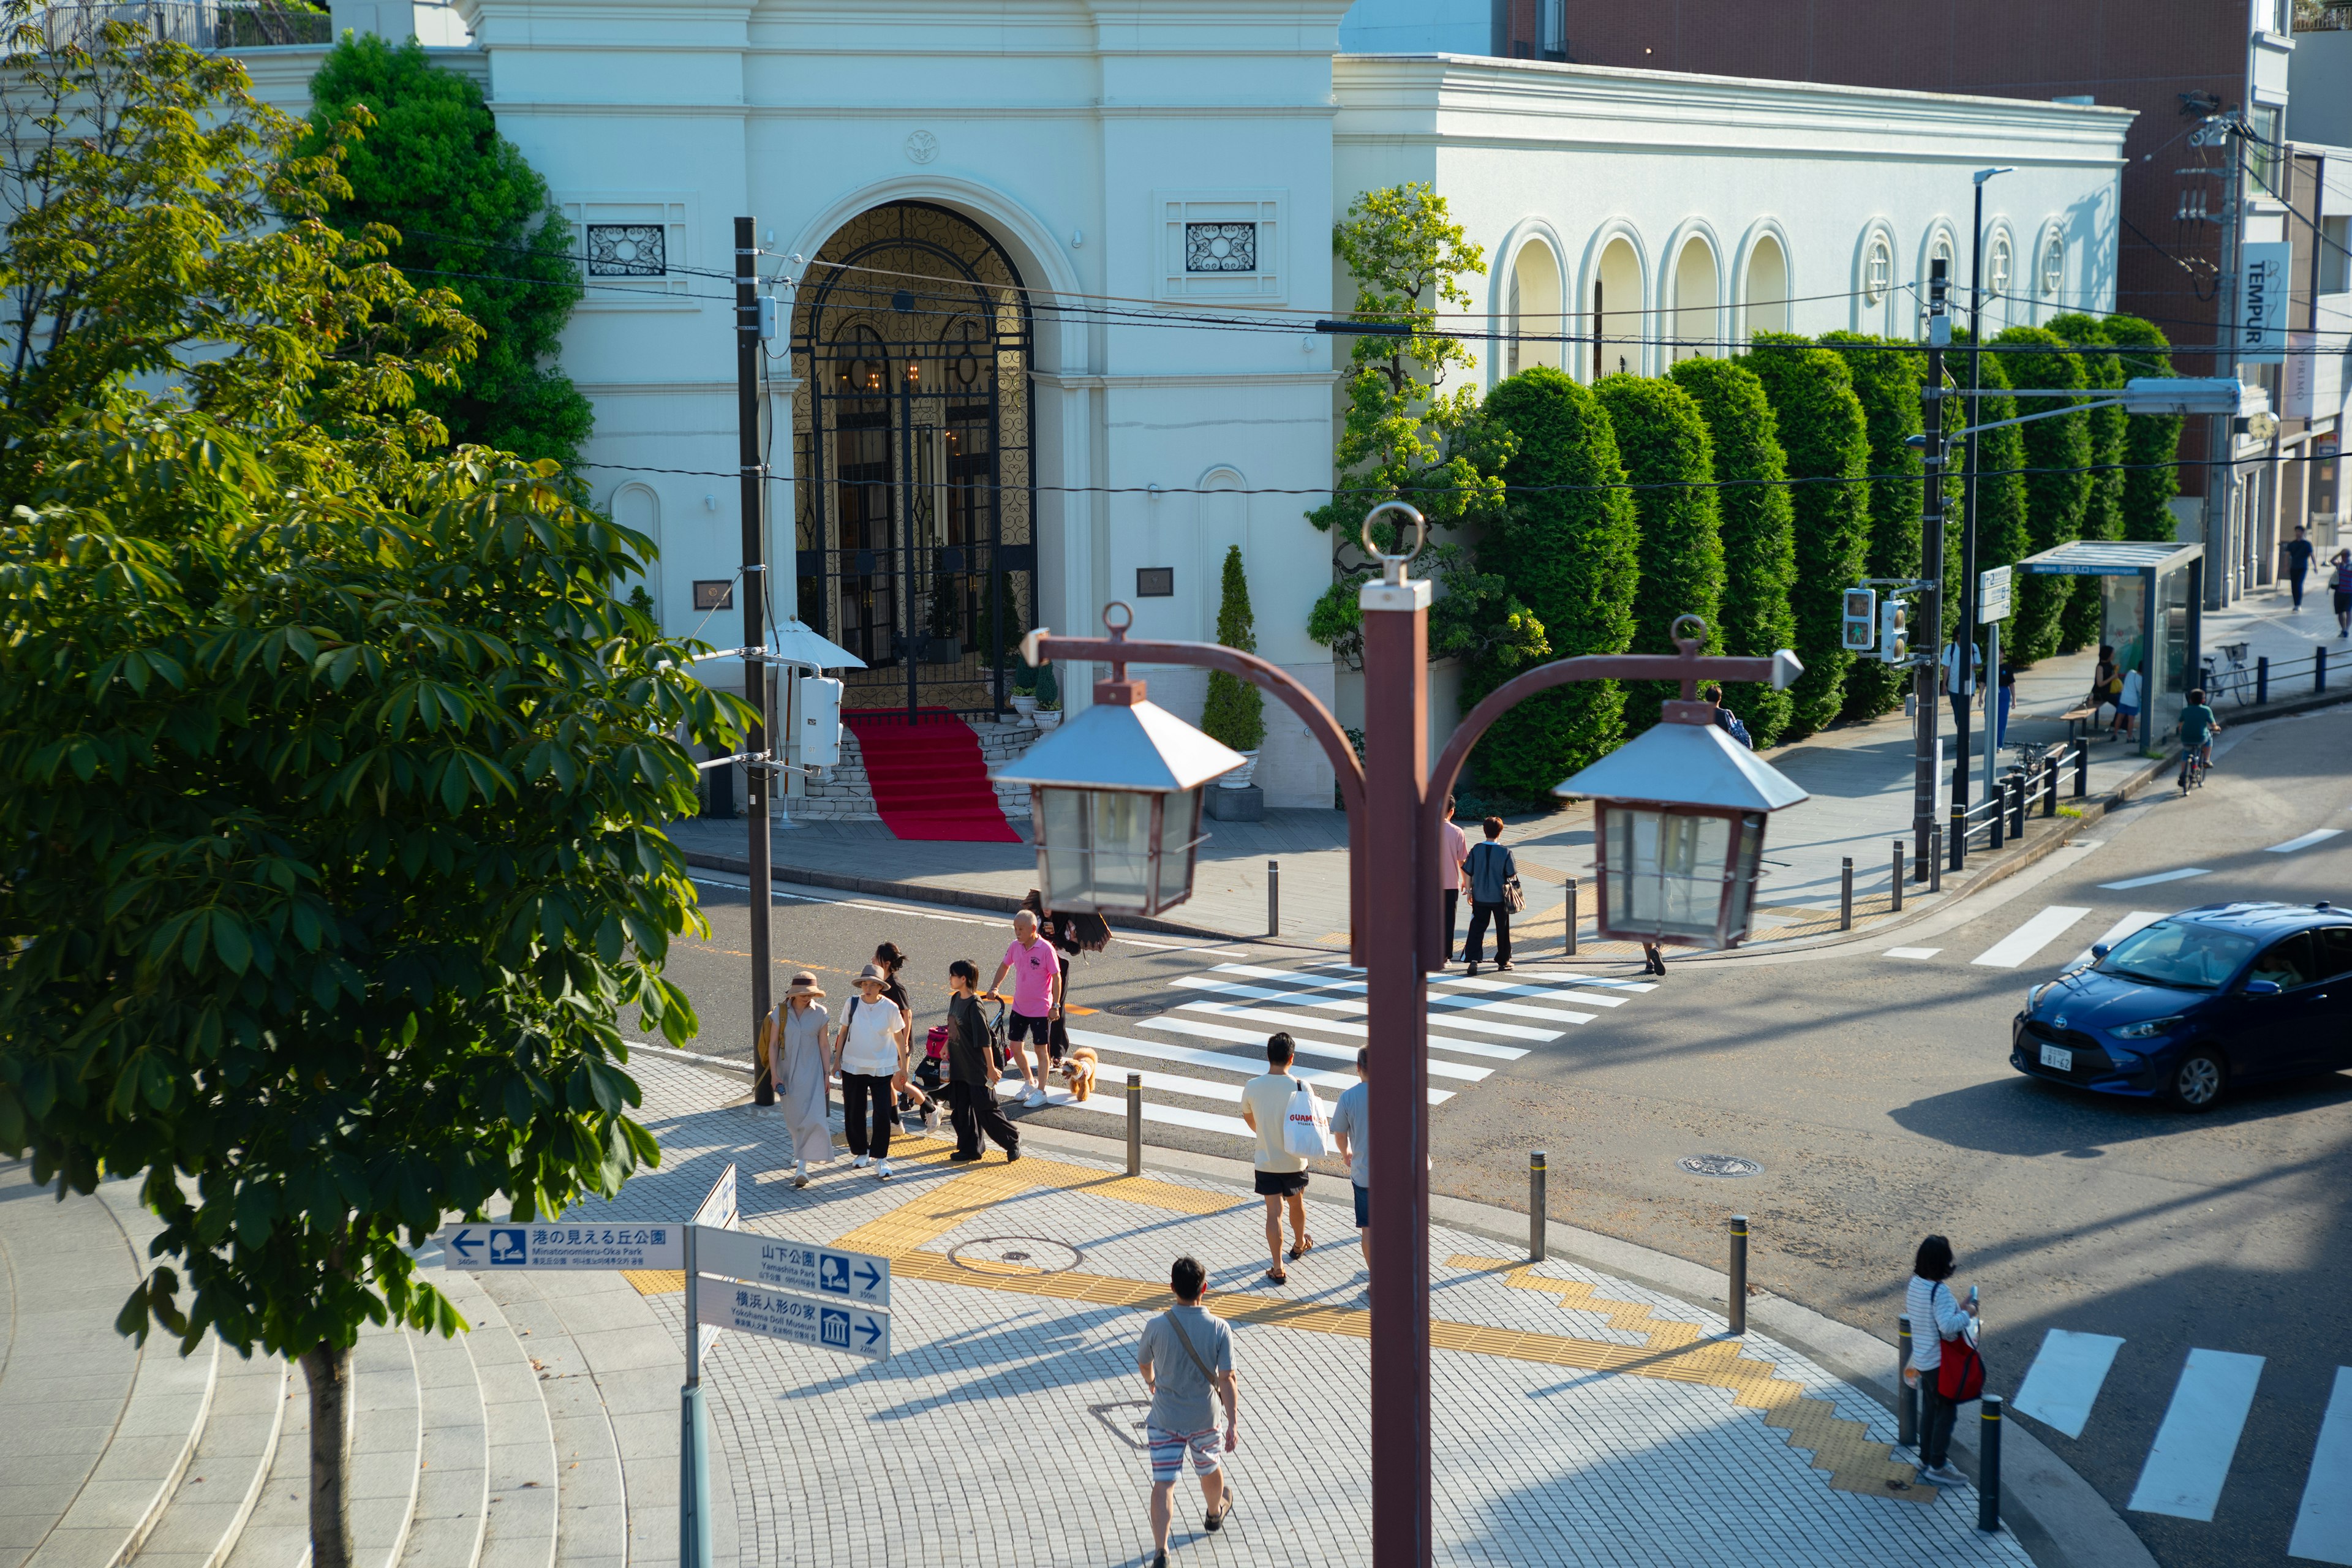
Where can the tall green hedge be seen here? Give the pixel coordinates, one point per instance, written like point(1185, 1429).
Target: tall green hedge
point(2151, 441)
point(1758, 528)
point(2000, 510)
point(1826, 436)
point(1569, 555)
point(1887, 380)
point(2057, 488)
point(2102, 517)
point(1663, 441)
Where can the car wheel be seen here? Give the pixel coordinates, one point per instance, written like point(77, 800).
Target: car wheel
point(2197, 1083)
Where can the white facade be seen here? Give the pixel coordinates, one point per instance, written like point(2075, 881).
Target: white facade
point(1081, 137)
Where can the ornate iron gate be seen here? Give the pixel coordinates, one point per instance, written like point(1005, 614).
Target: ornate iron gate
point(916, 549)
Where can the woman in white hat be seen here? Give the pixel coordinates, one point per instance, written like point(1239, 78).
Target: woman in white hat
point(869, 1051)
point(793, 1045)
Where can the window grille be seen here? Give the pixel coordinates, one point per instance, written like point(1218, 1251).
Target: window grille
point(1221, 247)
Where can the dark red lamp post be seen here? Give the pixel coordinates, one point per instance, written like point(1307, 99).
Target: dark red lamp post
point(1681, 813)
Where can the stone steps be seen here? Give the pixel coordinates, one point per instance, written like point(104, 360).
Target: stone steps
point(207, 1512)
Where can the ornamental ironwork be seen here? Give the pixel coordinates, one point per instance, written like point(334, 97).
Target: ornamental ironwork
point(1221, 247)
point(627, 250)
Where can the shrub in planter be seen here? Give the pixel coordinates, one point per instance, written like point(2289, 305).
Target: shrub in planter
point(1886, 379)
point(1757, 528)
point(2057, 489)
point(1049, 691)
point(1235, 713)
point(1826, 436)
point(1662, 442)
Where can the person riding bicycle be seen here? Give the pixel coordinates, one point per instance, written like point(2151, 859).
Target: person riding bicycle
point(2198, 728)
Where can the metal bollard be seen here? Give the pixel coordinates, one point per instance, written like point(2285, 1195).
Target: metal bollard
point(2261, 679)
point(2050, 786)
point(1274, 898)
point(1572, 918)
point(1906, 1398)
point(1898, 877)
point(1996, 816)
point(1988, 1464)
point(1539, 1184)
point(1738, 1281)
point(1135, 1125)
point(1845, 893)
point(2017, 803)
point(1936, 860)
point(2083, 769)
point(1957, 840)
point(2319, 670)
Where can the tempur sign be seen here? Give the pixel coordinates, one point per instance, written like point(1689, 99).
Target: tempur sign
point(2263, 303)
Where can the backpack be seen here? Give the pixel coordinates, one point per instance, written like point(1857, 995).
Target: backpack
point(1729, 722)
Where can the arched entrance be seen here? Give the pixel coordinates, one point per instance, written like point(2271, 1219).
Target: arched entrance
point(915, 549)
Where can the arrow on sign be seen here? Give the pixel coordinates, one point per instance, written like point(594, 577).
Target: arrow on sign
point(871, 1329)
point(464, 1245)
point(870, 1274)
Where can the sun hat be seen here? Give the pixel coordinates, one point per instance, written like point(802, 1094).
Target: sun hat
point(804, 984)
point(873, 971)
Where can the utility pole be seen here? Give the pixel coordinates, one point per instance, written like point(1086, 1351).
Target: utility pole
point(1924, 679)
point(751, 326)
point(2222, 526)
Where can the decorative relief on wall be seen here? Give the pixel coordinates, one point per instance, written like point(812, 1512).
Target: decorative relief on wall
point(921, 147)
point(1221, 245)
point(636, 248)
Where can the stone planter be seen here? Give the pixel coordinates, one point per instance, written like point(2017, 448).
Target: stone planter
point(1025, 703)
point(1240, 777)
point(1047, 717)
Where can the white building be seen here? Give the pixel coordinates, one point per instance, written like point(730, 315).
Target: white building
point(1002, 205)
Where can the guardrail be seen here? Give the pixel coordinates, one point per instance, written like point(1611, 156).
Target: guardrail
point(2255, 688)
point(2033, 781)
point(198, 23)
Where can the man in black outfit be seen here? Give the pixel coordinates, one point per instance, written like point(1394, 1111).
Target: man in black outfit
point(972, 1071)
point(2298, 563)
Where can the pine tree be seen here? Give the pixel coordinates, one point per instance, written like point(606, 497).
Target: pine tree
point(1887, 379)
point(1234, 712)
point(1663, 441)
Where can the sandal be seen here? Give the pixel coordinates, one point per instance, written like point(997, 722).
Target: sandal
point(1279, 1277)
point(1304, 1245)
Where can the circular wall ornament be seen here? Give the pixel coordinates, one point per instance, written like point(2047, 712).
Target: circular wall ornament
point(921, 147)
point(1718, 1166)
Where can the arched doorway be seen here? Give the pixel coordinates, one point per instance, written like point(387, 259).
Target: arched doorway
point(916, 551)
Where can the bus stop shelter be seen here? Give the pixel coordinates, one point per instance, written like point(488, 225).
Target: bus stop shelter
point(2150, 599)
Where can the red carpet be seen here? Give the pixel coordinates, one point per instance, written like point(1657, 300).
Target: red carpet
point(928, 779)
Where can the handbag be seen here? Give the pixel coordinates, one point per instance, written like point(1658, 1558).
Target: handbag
point(1515, 898)
point(1306, 1127)
point(935, 1043)
point(1961, 1374)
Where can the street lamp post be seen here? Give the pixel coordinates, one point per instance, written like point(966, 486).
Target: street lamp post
point(1671, 865)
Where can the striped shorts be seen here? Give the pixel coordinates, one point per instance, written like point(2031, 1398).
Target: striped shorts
point(1168, 1452)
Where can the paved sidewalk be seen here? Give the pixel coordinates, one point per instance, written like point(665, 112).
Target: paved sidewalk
point(1581, 1418)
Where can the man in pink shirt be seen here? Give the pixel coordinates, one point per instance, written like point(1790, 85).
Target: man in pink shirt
point(1036, 971)
point(1455, 848)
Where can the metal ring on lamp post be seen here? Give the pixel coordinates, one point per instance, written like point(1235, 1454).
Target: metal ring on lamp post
point(1699, 629)
point(1118, 628)
point(1392, 566)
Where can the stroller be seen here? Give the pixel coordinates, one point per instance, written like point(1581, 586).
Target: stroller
point(928, 1090)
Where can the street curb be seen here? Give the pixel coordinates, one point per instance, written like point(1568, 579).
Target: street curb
point(2058, 1518)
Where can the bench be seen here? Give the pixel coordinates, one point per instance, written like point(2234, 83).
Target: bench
point(2077, 719)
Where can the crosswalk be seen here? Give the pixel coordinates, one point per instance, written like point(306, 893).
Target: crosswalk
point(1208, 1035)
point(2038, 932)
point(2187, 1466)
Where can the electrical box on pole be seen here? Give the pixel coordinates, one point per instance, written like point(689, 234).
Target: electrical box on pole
point(1859, 623)
point(818, 730)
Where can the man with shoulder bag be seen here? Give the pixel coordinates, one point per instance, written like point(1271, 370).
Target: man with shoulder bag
point(1494, 895)
point(1186, 1354)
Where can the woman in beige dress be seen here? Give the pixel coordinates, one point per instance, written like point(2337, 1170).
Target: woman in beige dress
point(793, 1045)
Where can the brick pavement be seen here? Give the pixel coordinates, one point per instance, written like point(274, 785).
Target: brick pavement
point(1580, 1418)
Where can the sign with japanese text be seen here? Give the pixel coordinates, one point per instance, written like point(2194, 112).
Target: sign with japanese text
point(797, 1320)
point(490, 1248)
point(857, 1278)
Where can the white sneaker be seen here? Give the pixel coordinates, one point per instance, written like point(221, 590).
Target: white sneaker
point(931, 1119)
point(799, 1174)
point(1036, 1097)
point(1945, 1474)
point(861, 1163)
point(882, 1172)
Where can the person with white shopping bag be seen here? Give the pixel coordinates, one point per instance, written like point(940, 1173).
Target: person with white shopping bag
point(1290, 1124)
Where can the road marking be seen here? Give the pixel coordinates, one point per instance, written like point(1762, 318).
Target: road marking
point(1340, 1026)
point(2138, 920)
point(1359, 1008)
point(1306, 1047)
point(1913, 951)
point(1505, 988)
point(2185, 871)
point(2323, 1525)
point(2029, 938)
point(1439, 999)
point(1221, 1061)
point(2316, 836)
point(1556, 977)
point(1175, 1115)
point(2064, 1379)
point(2185, 1470)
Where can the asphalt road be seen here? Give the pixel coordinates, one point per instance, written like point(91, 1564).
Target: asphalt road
point(1875, 1094)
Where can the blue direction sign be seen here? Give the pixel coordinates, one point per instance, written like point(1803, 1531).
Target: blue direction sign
point(490, 1248)
point(858, 1278)
point(797, 1320)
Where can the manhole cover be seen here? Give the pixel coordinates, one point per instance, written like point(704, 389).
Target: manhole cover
point(1142, 1009)
point(1718, 1166)
point(1014, 1254)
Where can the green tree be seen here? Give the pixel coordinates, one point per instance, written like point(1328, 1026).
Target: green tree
point(1757, 530)
point(2151, 441)
point(1827, 437)
point(1568, 546)
point(2110, 429)
point(1663, 441)
point(1234, 712)
point(2003, 536)
point(1887, 379)
point(2057, 484)
point(472, 214)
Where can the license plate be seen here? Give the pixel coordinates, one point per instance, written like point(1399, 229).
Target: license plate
point(2059, 1057)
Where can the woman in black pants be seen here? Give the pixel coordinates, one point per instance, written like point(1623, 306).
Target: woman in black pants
point(1937, 1316)
point(869, 1052)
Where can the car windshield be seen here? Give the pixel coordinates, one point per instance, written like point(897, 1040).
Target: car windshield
point(2174, 953)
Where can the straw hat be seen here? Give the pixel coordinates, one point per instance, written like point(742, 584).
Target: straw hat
point(873, 971)
point(804, 984)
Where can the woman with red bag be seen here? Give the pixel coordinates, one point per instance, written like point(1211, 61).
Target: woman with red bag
point(1944, 1360)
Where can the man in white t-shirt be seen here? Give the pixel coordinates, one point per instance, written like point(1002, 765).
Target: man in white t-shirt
point(1281, 1175)
point(1352, 1128)
point(1453, 848)
point(869, 1052)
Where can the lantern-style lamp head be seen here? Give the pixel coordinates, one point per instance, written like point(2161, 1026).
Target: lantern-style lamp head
point(1678, 830)
point(1115, 798)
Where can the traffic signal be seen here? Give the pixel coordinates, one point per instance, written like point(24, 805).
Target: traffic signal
point(1894, 633)
point(1859, 625)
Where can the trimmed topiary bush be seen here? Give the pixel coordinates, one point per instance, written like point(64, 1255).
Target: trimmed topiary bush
point(1887, 380)
point(1568, 555)
point(2151, 441)
point(2057, 485)
point(1826, 436)
point(1235, 710)
point(1663, 441)
point(2002, 534)
point(1756, 527)
point(2102, 517)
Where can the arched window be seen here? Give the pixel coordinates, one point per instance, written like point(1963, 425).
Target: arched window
point(2054, 262)
point(1695, 300)
point(1998, 266)
point(1766, 295)
point(1877, 272)
point(1532, 303)
point(1617, 318)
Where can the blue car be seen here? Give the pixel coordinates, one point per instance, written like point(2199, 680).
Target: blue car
point(2217, 995)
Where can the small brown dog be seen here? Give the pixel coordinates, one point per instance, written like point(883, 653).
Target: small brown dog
point(1078, 1071)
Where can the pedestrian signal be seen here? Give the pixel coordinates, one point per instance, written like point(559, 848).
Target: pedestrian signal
point(1861, 620)
point(1893, 634)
